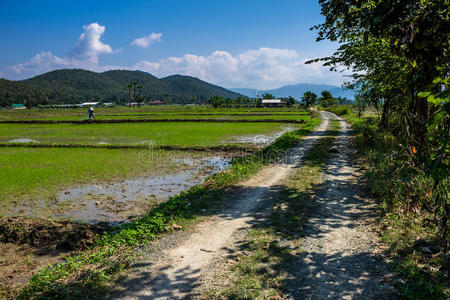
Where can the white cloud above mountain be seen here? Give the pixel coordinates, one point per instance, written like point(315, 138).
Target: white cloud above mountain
point(45, 61)
point(146, 41)
point(262, 68)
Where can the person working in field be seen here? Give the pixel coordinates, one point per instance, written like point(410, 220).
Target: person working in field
point(91, 114)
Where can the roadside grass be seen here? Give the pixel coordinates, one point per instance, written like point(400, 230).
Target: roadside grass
point(179, 133)
point(273, 243)
point(419, 259)
point(31, 175)
point(89, 274)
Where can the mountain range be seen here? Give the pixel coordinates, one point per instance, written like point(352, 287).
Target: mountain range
point(297, 91)
point(76, 85)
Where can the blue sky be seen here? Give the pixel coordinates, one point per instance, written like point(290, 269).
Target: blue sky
point(233, 43)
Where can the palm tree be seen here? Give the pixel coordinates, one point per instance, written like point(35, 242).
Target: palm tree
point(268, 96)
point(134, 89)
point(129, 90)
point(140, 98)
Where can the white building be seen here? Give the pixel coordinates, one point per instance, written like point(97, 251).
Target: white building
point(88, 104)
point(272, 102)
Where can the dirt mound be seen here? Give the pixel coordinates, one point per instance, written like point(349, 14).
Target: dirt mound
point(49, 234)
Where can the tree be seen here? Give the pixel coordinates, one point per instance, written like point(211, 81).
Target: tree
point(129, 92)
point(140, 97)
point(134, 83)
point(327, 99)
point(268, 96)
point(216, 101)
point(412, 34)
point(398, 53)
point(309, 98)
point(290, 101)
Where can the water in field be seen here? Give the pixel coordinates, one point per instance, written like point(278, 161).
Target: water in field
point(122, 201)
point(262, 140)
point(24, 140)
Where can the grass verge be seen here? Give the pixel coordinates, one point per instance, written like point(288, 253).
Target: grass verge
point(88, 274)
point(270, 247)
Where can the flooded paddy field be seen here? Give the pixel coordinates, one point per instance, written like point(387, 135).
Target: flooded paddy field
point(95, 185)
point(161, 133)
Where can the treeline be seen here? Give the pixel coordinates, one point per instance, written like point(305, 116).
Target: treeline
point(398, 52)
point(326, 99)
point(19, 92)
point(217, 101)
point(75, 86)
point(309, 98)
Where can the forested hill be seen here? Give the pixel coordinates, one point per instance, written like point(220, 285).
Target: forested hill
point(76, 85)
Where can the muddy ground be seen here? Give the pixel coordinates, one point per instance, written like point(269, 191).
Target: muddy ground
point(29, 244)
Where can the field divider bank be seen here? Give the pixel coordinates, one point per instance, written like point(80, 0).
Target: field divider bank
point(111, 121)
point(208, 114)
point(87, 275)
point(221, 148)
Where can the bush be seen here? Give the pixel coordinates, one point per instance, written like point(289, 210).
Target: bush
point(340, 110)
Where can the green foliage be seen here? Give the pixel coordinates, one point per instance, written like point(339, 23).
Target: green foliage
point(309, 98)
point(268, 96)
point(216, 101)
point(341, 110)
point(411, 215)
point(398, 54)
point(327, 99)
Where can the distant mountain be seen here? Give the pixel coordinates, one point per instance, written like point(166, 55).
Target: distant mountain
point(297, 91)
point(76, 85)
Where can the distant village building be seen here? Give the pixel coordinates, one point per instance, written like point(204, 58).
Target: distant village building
point(133, 104)
point(273, 103)
point(89, 104)
point(18, 106)
point(156, 102)
point(108, 104)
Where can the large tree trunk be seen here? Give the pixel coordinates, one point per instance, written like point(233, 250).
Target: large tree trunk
point(384, 122)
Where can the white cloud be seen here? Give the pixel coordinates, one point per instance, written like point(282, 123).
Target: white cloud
point(45, 61)
point(262, 68)
point(146, 41)
point(89, 45)
point(84, 56)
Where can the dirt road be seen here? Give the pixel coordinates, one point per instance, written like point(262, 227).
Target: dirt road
point(337, 262)
point(342, 255)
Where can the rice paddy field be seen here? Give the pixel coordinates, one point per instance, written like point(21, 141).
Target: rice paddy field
point(59, 170)
point(187, 112)
point(161, 133)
